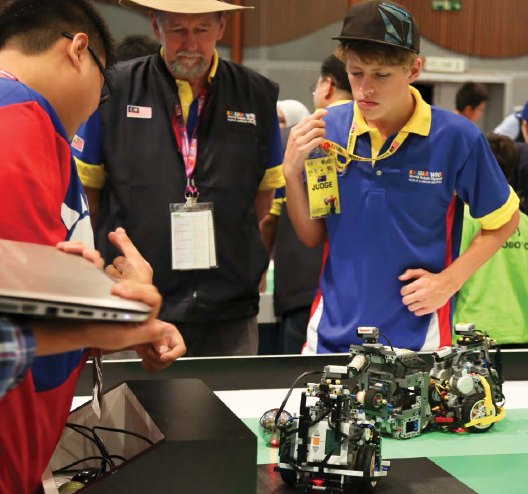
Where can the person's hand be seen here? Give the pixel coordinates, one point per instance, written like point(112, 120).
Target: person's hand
point(78, 248)
point(160, 354)
point(303, 138)
point(428, 292)
point(263, 283)
point(119, 336)
point(140, 292)
point(131, 265)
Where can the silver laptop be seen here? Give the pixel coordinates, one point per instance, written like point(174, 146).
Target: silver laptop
point(40, 280)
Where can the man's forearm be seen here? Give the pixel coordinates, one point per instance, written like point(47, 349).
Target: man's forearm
point(268, 232)
point(93, 196)
point(263, 203)
point(481, 248)
point(56, 336)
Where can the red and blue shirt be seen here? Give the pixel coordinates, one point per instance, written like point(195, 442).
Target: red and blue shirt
point(402, 212)
point(42, 201)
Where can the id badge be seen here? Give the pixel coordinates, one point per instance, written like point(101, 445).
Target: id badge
point(193, 236)
point(323, 190)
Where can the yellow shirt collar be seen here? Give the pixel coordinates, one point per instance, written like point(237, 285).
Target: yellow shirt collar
point(184, 88)
point(339, 102)
point(419, 123)
point(336, 103)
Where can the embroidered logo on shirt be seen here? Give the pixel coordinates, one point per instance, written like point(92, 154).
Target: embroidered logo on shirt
point(139, 111)
point(424, 177)
point(239, 117)
point(78, 144)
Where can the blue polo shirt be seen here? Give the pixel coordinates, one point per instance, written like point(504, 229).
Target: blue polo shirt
point(402, 212)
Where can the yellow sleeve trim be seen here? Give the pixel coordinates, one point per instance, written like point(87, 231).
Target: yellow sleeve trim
point(276, 207)
point(91, 175)
point(273, 179)
point(502, 215)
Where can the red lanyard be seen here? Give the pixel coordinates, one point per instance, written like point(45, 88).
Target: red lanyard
point(7, 75)
point(189, 148)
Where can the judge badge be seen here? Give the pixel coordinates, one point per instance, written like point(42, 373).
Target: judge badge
point(323, 191)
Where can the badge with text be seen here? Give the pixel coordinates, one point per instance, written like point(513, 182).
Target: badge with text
point(323, 191)
point(193, 236)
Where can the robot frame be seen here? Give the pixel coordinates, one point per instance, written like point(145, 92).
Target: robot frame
point(336, 442)
point(329, 446)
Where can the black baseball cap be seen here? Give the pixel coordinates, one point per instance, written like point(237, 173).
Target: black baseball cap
point(381, 21)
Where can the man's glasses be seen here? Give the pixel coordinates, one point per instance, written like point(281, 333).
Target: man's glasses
point(313, 87)
point(107, 90)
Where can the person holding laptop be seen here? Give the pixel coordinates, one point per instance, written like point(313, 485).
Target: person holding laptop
point(53, 55)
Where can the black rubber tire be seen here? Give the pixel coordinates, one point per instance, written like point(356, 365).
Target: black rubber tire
point(289, 477)
point(468, 406)
point(369, 461)
point(358, 465)
point(434, 397)
point(371, 397)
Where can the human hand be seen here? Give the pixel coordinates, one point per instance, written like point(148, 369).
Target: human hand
point(131, 265)
point(78, 248)
point(59, 336)
point(263, 283)
point(428, 292)
point(140, 292)
point(160, 354)
point(303, 138)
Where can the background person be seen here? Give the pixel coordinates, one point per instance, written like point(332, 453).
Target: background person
point(297, 267)
point(495, 298)
point(332, 86)
point(515, 126)
point(290, 112)
point(135, 46)
point(471, 100)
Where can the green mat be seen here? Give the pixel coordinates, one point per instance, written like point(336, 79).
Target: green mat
point(490, 474)
point(508, 437)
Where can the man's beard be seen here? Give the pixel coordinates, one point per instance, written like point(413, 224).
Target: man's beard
point(182, 71)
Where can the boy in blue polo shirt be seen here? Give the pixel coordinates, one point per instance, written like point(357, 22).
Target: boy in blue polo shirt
point(391, 256)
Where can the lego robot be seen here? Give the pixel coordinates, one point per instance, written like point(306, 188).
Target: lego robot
point(466, 386)
point(393, 386)
point(330, 446)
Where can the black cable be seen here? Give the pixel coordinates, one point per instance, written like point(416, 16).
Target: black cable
point(74, 428)
point(66, 469)
point(321, 417)
point(338, 445)
point(388, 341)
point(281, 409)
point(107, 460)
point(103, 447)
point(110, 429)
point(98, 443)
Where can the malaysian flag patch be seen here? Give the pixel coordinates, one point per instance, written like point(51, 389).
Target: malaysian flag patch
point(78, 144)
point(139, 111)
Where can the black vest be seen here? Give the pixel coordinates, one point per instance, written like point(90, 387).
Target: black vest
point(145, 173)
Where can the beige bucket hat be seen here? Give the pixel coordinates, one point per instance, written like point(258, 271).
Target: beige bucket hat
point(182, 6)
